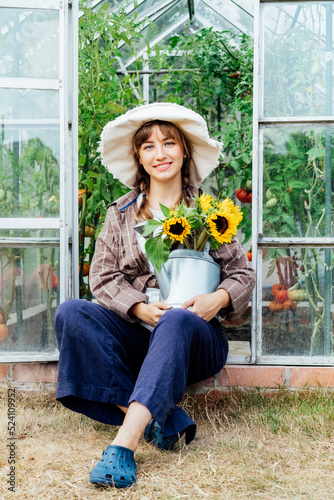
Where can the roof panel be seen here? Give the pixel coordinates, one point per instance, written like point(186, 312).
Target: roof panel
point(165, 25)
point(224, 15)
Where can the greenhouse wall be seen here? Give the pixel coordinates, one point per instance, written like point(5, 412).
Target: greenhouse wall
point(292, 211)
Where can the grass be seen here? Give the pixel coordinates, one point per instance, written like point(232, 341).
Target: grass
point(248, 446)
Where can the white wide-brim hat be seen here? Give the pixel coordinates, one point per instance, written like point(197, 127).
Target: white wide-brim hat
point(116, 147)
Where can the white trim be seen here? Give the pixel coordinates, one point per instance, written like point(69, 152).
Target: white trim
point(29, 357)
point(29, 83)
point(63, 101)
point(30, 4)
point(257, 178)
point(321, 242)
point(50, 123)
point(29, 242)
point(72, 133)
point(266, 121)
point(30, 223)
point(296, 360)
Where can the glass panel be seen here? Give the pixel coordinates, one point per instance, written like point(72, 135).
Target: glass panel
point(29, 104)
point(161, 24)
point(297, 179)
point(29, 295)
point(227, 15)
point(298, 322)
point(29, 172)
point(247, 5)
point(29, 43)
point(144, 8)
point(296, 58)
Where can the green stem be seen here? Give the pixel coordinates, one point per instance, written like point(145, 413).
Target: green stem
point(202, 240)
point(186, 242)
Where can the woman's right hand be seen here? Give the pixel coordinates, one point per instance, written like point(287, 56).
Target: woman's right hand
point(149, 313)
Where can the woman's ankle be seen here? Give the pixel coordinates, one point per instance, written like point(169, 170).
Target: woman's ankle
point(127, 437)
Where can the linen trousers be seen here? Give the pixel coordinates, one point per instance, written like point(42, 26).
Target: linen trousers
point(106, 361)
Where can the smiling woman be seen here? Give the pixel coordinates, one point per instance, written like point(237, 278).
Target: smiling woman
point(146, 352)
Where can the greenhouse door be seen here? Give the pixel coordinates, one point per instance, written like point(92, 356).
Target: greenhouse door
point(293, 178)
point(38, 173)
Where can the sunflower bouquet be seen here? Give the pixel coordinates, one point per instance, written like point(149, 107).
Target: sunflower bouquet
point(207, 220)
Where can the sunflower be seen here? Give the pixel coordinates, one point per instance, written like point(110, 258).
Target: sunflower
point(205, 202)
point(226, 204)
point(177, 228)
point(223, 224)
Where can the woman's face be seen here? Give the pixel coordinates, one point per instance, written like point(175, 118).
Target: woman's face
point(162, 158)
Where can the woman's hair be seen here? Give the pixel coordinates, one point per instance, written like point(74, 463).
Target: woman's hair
point(170, 131)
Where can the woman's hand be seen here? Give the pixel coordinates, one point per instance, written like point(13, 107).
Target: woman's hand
point(149, 313)
point(206, 306)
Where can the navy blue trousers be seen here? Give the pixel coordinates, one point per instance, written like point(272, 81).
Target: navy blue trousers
point(105, 361)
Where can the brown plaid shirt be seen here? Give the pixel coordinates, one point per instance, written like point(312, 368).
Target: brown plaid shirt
point(120, 273)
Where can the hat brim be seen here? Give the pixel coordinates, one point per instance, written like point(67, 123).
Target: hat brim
point(116, 141)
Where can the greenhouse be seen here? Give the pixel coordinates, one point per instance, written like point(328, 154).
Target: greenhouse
point(260, 72)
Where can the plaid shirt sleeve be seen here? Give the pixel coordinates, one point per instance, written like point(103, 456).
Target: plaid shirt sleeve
point(112, 287)
point(238, 277)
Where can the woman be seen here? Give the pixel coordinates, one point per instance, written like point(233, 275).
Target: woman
point(128, 359)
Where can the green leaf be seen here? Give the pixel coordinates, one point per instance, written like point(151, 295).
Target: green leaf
point(165, 210)
point(92, 174)
point(113, 107)
point(90, 184)
point(271, 269)
point(157, 251)
point(82, 160)
point(297, 184)
point(150, 226)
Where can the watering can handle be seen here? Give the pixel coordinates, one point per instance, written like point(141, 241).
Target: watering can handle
point(206, 248)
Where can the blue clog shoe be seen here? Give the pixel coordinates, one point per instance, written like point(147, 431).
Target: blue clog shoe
point(153, 434)
point(117, 468)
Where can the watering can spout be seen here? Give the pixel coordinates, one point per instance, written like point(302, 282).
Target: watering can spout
point(164, 282)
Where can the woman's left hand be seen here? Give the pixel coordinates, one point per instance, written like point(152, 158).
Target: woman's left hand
point(206, 306)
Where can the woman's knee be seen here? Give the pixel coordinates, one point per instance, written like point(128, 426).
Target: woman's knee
point(66, 310)
point(179, 322)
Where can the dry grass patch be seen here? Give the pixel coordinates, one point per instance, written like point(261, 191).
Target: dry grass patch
point(248, 446)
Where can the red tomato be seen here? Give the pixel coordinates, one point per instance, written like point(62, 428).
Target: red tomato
point(249, 198)
point(55, 281)
point(281, 296)
point(241, 194)
point(86, 267)
point(275, 288)
point(3, 332)
point(288, 305)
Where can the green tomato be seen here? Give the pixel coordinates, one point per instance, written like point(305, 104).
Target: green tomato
point(297, 295)
point(249, 184)
point(269, 194)
point(272, 203)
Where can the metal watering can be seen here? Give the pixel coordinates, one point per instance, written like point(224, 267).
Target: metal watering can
point(187, 273)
